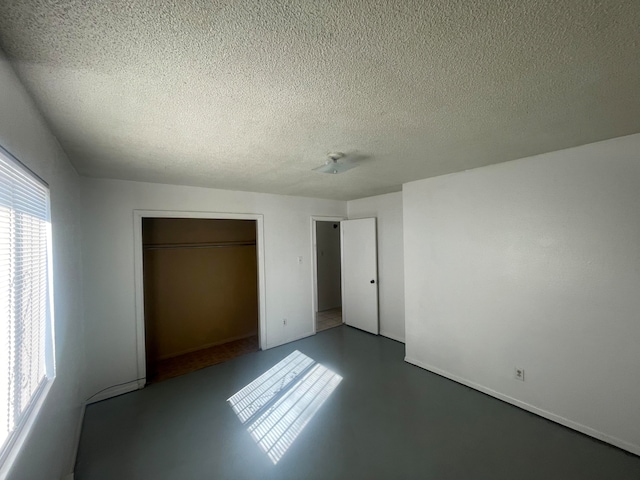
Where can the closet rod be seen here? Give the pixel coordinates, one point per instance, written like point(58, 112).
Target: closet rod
point(199, 245)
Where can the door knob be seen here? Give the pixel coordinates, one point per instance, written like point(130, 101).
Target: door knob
point(373, 281)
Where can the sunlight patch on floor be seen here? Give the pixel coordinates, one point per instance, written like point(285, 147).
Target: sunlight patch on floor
point(278, 405)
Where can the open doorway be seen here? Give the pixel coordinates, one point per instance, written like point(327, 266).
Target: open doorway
point(327, 280)
point(201, 303)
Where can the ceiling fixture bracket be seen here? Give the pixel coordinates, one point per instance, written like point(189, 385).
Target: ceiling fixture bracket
point(335, 164)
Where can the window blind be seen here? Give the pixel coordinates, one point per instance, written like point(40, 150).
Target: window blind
point(24, 295)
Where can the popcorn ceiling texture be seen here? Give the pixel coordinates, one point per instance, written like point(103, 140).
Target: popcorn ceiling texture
point(253, 95)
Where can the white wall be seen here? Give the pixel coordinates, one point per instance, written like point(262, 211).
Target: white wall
point(50, 449)
point(328, 265)
point(388, 210)
point(108, 261)
point(534, 263)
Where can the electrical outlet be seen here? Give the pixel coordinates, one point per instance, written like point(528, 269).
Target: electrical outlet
point(284, 322)
point(518, 373)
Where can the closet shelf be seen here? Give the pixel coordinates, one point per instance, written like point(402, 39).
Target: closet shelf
point(167, 246)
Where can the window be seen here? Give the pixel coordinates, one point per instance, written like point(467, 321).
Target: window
point(26, 334)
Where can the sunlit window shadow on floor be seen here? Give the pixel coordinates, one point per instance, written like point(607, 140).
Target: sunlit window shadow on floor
point(277, 405)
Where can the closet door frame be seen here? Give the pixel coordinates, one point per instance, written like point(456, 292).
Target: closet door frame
point(138, 215)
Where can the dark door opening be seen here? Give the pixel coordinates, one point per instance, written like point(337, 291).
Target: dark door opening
point(200, 293)
point(328, 275)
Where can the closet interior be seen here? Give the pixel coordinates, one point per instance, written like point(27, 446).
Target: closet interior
point(200, 293)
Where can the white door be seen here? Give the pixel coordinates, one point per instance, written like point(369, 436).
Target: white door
point(360, 274)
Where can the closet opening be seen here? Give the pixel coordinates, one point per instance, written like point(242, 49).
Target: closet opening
point(201, 293)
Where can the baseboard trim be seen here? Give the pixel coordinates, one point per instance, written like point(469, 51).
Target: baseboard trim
point(392, 337)
point(616, 442)
point(274, 345)
point(117, 390)
point(76, 442)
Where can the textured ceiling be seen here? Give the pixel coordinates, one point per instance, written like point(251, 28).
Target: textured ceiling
point(253, 95)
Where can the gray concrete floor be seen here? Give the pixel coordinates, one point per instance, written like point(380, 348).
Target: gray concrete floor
point(386, 420)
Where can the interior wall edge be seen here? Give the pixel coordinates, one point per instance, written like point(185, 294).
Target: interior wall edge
point(76, 440)
point(397, 338)
point(304, 335)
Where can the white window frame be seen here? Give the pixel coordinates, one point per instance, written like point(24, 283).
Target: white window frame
point(16, 440)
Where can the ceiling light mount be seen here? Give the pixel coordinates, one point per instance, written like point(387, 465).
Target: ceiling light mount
point(335, 164)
